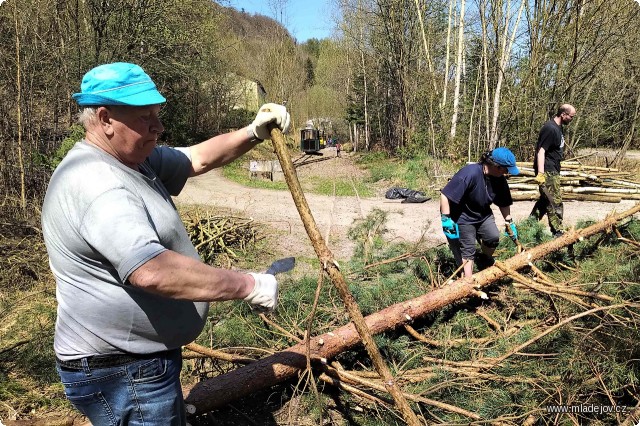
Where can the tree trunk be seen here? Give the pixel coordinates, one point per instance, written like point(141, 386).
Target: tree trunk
point(356, 138)
point(534, 195)
point(426, 46)
point(504, 60)
point(485, 68)
point(365, 105)
point(446, 60)
point(456, 93)
point(21, 165)
point(617, 161)
point(221, 390)
point(473, 111)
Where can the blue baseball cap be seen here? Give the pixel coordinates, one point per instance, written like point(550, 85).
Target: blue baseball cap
point(505, 158)
point(119, 83)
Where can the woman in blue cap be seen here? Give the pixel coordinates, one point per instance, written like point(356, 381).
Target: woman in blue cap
point(465, 207)
point(130, 285)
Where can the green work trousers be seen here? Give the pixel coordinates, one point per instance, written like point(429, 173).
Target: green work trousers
point(550, 202)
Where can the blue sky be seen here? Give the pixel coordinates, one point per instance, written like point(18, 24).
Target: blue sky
point(304, 19)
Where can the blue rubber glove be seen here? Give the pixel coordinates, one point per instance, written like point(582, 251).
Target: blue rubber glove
point(449, 227)
point(514, 231)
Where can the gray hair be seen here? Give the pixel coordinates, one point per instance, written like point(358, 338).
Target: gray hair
point(87, 116)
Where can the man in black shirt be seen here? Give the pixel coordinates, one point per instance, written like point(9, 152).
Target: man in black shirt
point(546, 164)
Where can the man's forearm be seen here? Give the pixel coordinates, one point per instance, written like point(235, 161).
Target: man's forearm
point(176, 276)
point(540, 160)
point(220, 150)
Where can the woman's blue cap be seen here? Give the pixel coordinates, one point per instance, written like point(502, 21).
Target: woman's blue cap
point(119, 83)
point(505, 158)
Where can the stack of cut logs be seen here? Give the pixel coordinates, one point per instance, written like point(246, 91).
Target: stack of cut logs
point(579, 182)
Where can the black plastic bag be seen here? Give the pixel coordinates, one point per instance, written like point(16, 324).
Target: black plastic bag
point(408, 195)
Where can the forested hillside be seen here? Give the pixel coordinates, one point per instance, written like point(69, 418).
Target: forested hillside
point(448, 79)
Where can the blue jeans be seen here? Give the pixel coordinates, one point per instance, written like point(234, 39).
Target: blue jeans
point(143, 392)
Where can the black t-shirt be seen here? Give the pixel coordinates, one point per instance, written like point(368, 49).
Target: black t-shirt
point(471, 193)
point(551, 139)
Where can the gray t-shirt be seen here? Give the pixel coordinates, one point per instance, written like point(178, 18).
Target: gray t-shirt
point(101, 220)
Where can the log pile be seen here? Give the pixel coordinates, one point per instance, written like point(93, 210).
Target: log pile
point(579, 182)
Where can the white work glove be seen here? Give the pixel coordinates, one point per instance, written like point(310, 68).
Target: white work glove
point(264, 296)
point(270, 113)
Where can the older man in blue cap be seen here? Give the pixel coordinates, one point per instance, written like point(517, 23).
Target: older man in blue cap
point(131, 288)
point(465, 208)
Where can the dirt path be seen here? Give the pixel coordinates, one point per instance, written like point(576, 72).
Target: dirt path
point(406, 222)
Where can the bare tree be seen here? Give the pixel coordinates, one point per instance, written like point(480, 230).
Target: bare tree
point(504, 56)
point(356, 32)
point(459, 66)
point(450, 23)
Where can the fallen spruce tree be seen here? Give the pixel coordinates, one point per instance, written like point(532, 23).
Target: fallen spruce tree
point(218, 391)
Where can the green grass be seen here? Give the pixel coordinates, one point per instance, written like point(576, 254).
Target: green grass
point(28, 379)
point(321, 185)
point(420, 172)
point(237, 171)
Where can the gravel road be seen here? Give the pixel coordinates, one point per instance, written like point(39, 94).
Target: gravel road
point(335, 215)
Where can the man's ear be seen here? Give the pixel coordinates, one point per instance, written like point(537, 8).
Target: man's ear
point(104, 120)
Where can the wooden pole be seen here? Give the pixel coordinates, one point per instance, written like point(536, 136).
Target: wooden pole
point(601, 198)
point(200, 401)
point(221, 390)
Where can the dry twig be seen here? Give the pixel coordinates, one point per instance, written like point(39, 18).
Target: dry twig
point(214, 353)
point(346, 376)
point(551, 329)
